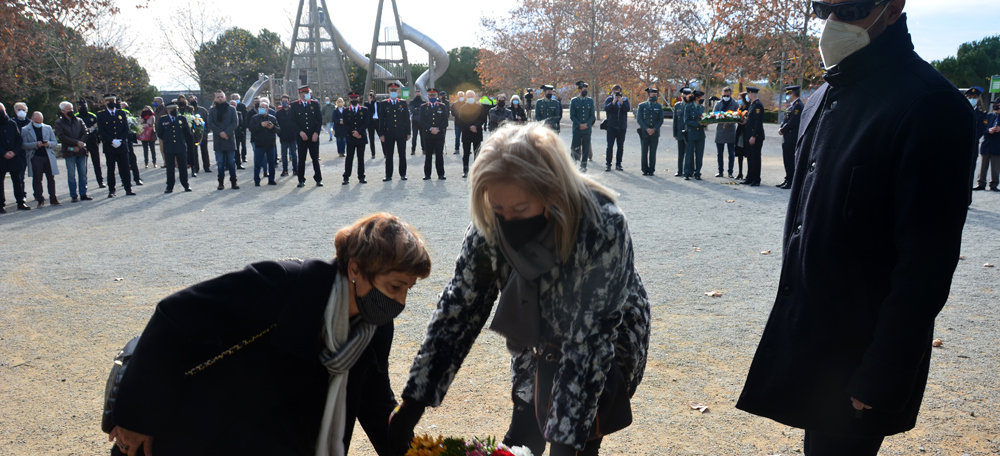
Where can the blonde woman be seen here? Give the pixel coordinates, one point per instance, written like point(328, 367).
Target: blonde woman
point(572, 309)
point(338, 128)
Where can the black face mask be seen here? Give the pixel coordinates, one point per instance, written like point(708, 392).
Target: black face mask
point(194, 104)
point(377, 308)
point(173, 112)
point(583, 93)
point(111, 106)
point(83, 109)
point(548, 95)
point(522, 231)
point(181, 104)
point(354, 102)
point(501, 103)
point(3, 117)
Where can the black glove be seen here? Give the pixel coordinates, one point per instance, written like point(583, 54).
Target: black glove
point(401, 424)
point(559, 449)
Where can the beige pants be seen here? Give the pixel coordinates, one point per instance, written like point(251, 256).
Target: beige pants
point(989, 161)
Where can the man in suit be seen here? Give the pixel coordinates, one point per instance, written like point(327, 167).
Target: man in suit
point(372, 128)
point(649, 116)
point(455, 110)
point(308, 118)
point(193, 161)
point(93, 139)
point(990, 150)
point(112, 126)
point(617, 107)
point(394, 130)
point(680, 134)
point(433, 124)
point(11, 157)
point(177, 138)
point(581, 112)
point(789, 132)
point(548, 109)
point(356, 125)
point(754, 137)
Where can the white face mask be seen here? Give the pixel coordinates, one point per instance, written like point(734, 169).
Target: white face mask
point(974, 102)
point(461, 98)
point(840, 39)
point(726, 98)
point(307, 97)
point(21, 114)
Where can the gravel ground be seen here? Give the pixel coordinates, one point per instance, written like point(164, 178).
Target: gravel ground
point(64, 315)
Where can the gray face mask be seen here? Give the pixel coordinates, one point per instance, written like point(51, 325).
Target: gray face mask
point(377, 308)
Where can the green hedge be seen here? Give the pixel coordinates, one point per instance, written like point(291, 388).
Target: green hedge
point(770, 116)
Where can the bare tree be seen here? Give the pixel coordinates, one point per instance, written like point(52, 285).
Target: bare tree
point(201, 25)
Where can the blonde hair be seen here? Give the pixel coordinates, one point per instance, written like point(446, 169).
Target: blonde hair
point(533, 157)
point(340, 102)
point(382, 243)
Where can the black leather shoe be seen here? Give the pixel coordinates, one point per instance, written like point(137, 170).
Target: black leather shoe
point(239, 167)
point(465, 175)
point(2, 210)
point(187, 189)
point(687, 178)
point(169, 190)
point(101, 185)
point(193, 174)
point(85, 198)
point(979, 187)
point(619, 168)
point(271, 182)
point(697, 178)
point(607, 168)
point(740, 176)
point(645, 173)
point(75, 200)
point(129, 193)
point(23, 207)
point(782, 184)
point(284, 173)
point(441, 178)
point(345, 182)
point(111, 195)
point(301, 184)
point(386, 179)
point(256, 184)
point(402, 178)
point(718, 175)
point(319, 184)
point(731, 175)
point(787, 186)
point(677, 175)
point(139, 182)
point(362, 181)
point(994, 189)
point(427, 178)
point(755, 184)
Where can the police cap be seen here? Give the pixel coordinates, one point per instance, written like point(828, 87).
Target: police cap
point(699, 93)
point(752, 90)
point(354, 94)
point(393, 85)
point(548, 87)
point(686, 90)
point(790, 89)
point(974, 90)
point(432, 92)
point(304, 89)
point(172, 105)
point(652, 90)
point(582, 85)
point(110, 97)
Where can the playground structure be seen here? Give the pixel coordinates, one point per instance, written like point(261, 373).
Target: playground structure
point(324, 67)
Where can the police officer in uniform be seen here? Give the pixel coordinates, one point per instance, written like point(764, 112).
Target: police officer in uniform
point(433, 125)
point(789, 132)
point(581, 112)
point(93, 145)
point(694, 135)
point(649, 116)
point(990, 150)
point(548, 109)
point(356, 126)
point(112, 126)
point(394, 128)
point(175, 132)
point(418, 132)
point(754, 137)
point(679, 129)
point(307, 115)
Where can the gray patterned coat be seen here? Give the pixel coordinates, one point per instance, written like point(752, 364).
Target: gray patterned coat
point(594, 306)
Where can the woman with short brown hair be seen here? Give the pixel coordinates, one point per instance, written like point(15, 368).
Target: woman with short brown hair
point(312, 324)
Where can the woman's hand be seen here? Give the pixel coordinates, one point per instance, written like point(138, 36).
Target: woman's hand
point(402, 421)
point(129, 442)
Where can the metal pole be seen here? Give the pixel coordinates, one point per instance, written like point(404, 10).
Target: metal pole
point(373, 54)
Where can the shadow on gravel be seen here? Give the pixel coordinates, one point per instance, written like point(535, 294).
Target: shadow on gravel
point(984, 219)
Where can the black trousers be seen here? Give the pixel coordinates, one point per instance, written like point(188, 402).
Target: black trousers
point(788, 154)
point(753, 161)
point(647, 151)
point(400, 149)
point(681, 151)
point(373, 135)
point(178, 161)
point(117, 158)
point(133, 162)
point(821, 444)
point(204, 156)
point(95, 158)
point(523, 431)
point(434, 150)
point(370, 399)
point(241, 145)
point(354, 150)
point(310, 149)
point(616, 135)
point(469, 147)
point(42, 167)
point(417, 134)
point(12, 166)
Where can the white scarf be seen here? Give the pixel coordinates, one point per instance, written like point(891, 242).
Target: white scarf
point(344, 343)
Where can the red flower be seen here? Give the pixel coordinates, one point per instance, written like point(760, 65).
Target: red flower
point(501, 452)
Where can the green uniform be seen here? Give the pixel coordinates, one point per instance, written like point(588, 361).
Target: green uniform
point(679, 135)
point(549, 111)
point(694, 150)
point(581, 112)
point(649, 115)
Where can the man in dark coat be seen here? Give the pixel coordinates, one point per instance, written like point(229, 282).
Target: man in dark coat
point(177, 138)
point(241, 129)
point(433, 124)
point(394, 128)
point(287, 137)
point(372, 106)
point(789, 132)
point(617, 106)
point(112, 126)
point(307, 116)
point(469, 120)
point(356, 125)
point(93, 139)
point(11, 157)
point(417, 133)
point(753, 137)
point(990, 150)
point(871, 240)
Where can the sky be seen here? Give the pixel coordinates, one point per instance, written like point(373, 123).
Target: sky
point(938, 27)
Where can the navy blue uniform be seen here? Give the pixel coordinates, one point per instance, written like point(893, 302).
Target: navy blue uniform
point(355, 121)
point(754, 129)
point(394, 126)
point(177, 142)
point(93, 143)
point(790, 134)
point(617, 126)
point(433, 115)
point(307, 117)
point(112, 126)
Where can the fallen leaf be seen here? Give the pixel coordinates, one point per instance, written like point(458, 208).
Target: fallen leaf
point(766, 252)
point(697, 249)
point(961, 257)
point(730, 201)
point(699, 407)
point(937, 343)
point(202, 210)
point(119, 279)
point(987, 265)
point(714, 294)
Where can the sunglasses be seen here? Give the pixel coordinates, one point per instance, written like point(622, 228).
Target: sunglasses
point(846, 12)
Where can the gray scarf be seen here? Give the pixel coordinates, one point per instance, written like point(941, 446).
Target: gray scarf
point(518, 315)
point(344, 340)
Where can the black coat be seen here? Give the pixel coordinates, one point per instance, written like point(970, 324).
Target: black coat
point(176, 135)
point(266, 398)
point(471, 115)
point(264, 137)
point(394, 119)
point(356, 122)
point(307, 118)
point(755, 123)
point(991, 141)
point(10, 140)
point(289, 131)
point(871, 241)
point(112, 127)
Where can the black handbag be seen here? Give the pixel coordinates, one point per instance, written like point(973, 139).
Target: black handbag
point(614, 409)
point(604, 124)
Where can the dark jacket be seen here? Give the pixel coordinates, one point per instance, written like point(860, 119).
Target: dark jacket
point(288, 129)
point(70, 133)
point(230, 119)
point(755, 122)
point(176, 135)
point(471, 115)
point(991, 141)
point(245, 116)
point(308, 118)
point(266, 398)
point(617, 114)
point(394, 119)
point(871, 240)
point(264, 137)
point(10, 140)
point(356, 122)
point(371, 107)
point(111, 127)
point(790, 127)
point(90, 121)
point(338, 126)
point(499, 115)
point(434, 116)
point(518, 114)
point(725, 133)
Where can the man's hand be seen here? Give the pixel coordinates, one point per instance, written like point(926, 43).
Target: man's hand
point(753, 140)
point(582, 126)
point(223, 135)
point(858, 405)
point(9, 155)
point(408, 137)
point(353, 133)
point(473, 129)
point(303, 135)
point(381, 138)
point(315, 137)
point(434, 130)
point(80, 144)
point(129, 442)
point(781, 132)
point(402, 421)
point(650, 131)
point(264, 124)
